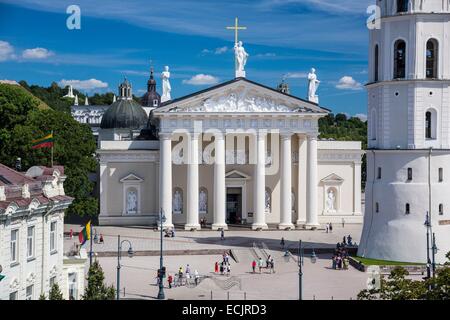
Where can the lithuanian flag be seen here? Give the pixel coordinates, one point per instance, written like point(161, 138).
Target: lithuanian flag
point(85, 234)
point(45, 142)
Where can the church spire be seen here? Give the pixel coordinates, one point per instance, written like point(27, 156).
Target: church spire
point(125, 90)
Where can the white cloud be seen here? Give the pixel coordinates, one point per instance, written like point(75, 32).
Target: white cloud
point(36, 53)
point(90, 84)
point(361, 116)
point(348, 83)
point(295, 75)
point(201, 79)
point(6, 51)
point(266, 55)
point(221, 50)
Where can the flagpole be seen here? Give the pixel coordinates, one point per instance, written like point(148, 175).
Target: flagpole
point(52, 150)
point(90, 253)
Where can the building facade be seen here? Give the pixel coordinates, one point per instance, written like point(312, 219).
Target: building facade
point(31, 231)
point(235, 153)
point(408, 131)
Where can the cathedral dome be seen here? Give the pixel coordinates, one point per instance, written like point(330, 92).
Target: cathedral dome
point(125, 112)
point(151, 98)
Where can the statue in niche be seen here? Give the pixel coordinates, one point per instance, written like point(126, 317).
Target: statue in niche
point(331, 197)
point(203, 201)
point(267, 201)
point(132, 201)
point(177, 201)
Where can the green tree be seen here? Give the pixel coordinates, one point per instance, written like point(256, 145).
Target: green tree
point(398, 287)
point(55, 293)
point(74, 146)
point(42, 296)
point(96, 288)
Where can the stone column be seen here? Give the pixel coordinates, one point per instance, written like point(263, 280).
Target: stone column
point(286, 183)
point(103, 189)
point(311, 212)
point(192, 221)
point(259, 189)
point(302, 180)
point(165, 177)
point(219, 183)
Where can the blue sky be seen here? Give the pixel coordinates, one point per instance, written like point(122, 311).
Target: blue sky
point(285, 38)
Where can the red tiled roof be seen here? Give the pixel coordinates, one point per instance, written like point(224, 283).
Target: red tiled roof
point(13, 176)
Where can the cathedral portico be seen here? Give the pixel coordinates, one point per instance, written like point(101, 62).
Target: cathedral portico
point(236, 153)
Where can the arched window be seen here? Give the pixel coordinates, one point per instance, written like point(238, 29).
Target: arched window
point(432, 59)
point(430, 124)
point(399, 59)
point(376, 62)
point(402, 6)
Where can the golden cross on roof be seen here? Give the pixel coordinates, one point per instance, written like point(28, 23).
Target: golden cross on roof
point(236, 27)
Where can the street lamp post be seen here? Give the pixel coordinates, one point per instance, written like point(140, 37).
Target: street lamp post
point(300, 271)
point(428, 226)
point(119, 256)
point(161, 296)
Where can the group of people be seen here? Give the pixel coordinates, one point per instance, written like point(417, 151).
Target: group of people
point(329, 227)
point(223, 267)
point(203, 222)
point(340, 260)
point(182, 277)
point(347, 241)
point(270, 264)
point(169, 233)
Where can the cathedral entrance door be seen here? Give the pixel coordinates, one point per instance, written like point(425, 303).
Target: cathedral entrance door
point(234, 205)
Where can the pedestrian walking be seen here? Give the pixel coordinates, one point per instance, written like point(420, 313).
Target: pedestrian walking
point(331, 228)
point(326, 227)
point(216, 267)
point(228, 269)
point(344, 241)
point(197, 276)
point(343, 222)
point(222, 234)
point(253, 265)
point(334, 262)
point(170, 280)
point(260, 264)
point(71, 234)
point(101, 238)
point(282, 243)
point(272, 265)
point(349, 240)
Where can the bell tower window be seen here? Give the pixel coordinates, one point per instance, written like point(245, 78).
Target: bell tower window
point(430, 124)
point(376, 61)
point(402, 6)
point(432, 61)
point(399, 59)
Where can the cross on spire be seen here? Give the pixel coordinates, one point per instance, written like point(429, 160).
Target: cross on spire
point(236, 29)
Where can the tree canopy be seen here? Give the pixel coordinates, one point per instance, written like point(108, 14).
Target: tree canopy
point(96, 288)
point(21, 121)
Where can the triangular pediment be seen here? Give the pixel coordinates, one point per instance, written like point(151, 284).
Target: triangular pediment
point(332, 178)
point(235, 174)
point(131, 178)
point(240, 96)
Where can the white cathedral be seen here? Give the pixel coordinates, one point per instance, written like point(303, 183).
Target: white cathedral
point(408, 161)
point(236, 153)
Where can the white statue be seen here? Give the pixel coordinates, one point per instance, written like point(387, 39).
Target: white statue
point(132, 202)
point(76, 100)
point(166, 88)
point(203, 201)
point(177, 201)
point(69, 93)
point(267, 200)
point(330, 200)
point(313, 86)
point(241, 59)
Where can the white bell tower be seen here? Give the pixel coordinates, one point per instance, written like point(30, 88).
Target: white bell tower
point(408, 161)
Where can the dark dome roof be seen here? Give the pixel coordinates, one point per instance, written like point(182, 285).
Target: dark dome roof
point(124, 113)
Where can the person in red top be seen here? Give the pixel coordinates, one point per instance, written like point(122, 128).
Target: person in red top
point(170, 280)
point(216, 267)
point(253, 265)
